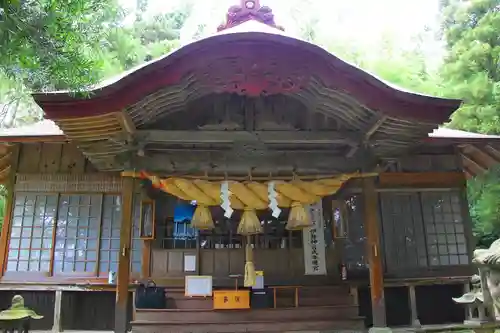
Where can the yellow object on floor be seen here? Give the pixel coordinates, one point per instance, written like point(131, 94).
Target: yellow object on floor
point(231, 299)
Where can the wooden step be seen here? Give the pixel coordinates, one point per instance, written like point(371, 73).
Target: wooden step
point(355, 324)
point(308, 296)
point(230, 316)
point(333, 291)
point(325, 300)
point(190, 303)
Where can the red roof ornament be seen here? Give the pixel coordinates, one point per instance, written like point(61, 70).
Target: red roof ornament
point(249, 10)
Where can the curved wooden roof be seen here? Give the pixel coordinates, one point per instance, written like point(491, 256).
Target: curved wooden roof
point(250, 56)
point(250, 59)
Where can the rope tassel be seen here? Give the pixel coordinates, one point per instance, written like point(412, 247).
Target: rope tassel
point(202, 218)
point(298, 218)
point(249, 224)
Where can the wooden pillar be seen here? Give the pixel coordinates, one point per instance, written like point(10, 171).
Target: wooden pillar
point(56, 327)
point(9, 205)
point(146, 259)
point(373, 252)
point(415, 322)
point(122, 285)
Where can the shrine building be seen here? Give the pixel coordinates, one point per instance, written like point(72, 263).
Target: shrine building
point(245, 161)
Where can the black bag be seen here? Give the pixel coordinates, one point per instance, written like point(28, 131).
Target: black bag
point(150, 296)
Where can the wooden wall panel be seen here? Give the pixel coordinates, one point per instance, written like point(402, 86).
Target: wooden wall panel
point(89, 167)
point(175, 262)
point(279, 265)
point(430, 163)
point(159, 262)
point(50, 157)
point(90, 311)
point(72, 160)
point(221, 262)
point(422, 179)
point(332, 263)
point(169, 263)
point(273, 262)
point(29, 158)
point(237, 261)
point(206, 262)
point(296, 261)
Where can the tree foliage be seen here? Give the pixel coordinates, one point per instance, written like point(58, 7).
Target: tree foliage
point(48, 44)
point(83, 42)
point(472, 65)
point(471, 71)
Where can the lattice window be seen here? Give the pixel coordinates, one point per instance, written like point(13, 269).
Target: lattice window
point(444, 226)
point(77, 233)
point(275, 235)
point(223, 236)
point(403, 231)
point(423, 229)
point(85, 227)
point(32, 231)
point(109, 248)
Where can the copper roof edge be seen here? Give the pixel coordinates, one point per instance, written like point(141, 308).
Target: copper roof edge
point(246, 31)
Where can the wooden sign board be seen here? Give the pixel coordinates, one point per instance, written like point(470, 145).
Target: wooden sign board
point(198, 285)
point(231, 299)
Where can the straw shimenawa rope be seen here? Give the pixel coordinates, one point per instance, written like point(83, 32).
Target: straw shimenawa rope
point(251, 196)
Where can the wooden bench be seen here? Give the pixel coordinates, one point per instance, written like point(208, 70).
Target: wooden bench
point(296, 298)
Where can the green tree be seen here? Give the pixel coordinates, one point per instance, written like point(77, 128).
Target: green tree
point(471, 67)
point(75, 52)
point(407, 69)
point(48, 44)
point(471, 71)
point(484, 202)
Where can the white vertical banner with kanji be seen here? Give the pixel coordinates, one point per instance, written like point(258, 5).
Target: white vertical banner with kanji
point(314, 242)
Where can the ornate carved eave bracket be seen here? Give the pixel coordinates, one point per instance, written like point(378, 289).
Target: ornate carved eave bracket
point(246, 11)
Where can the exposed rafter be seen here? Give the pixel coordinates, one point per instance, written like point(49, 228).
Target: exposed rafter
point(493, 152)
point(267, 137)
point(257, 164)
point(473, 165)
point(374, 126)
